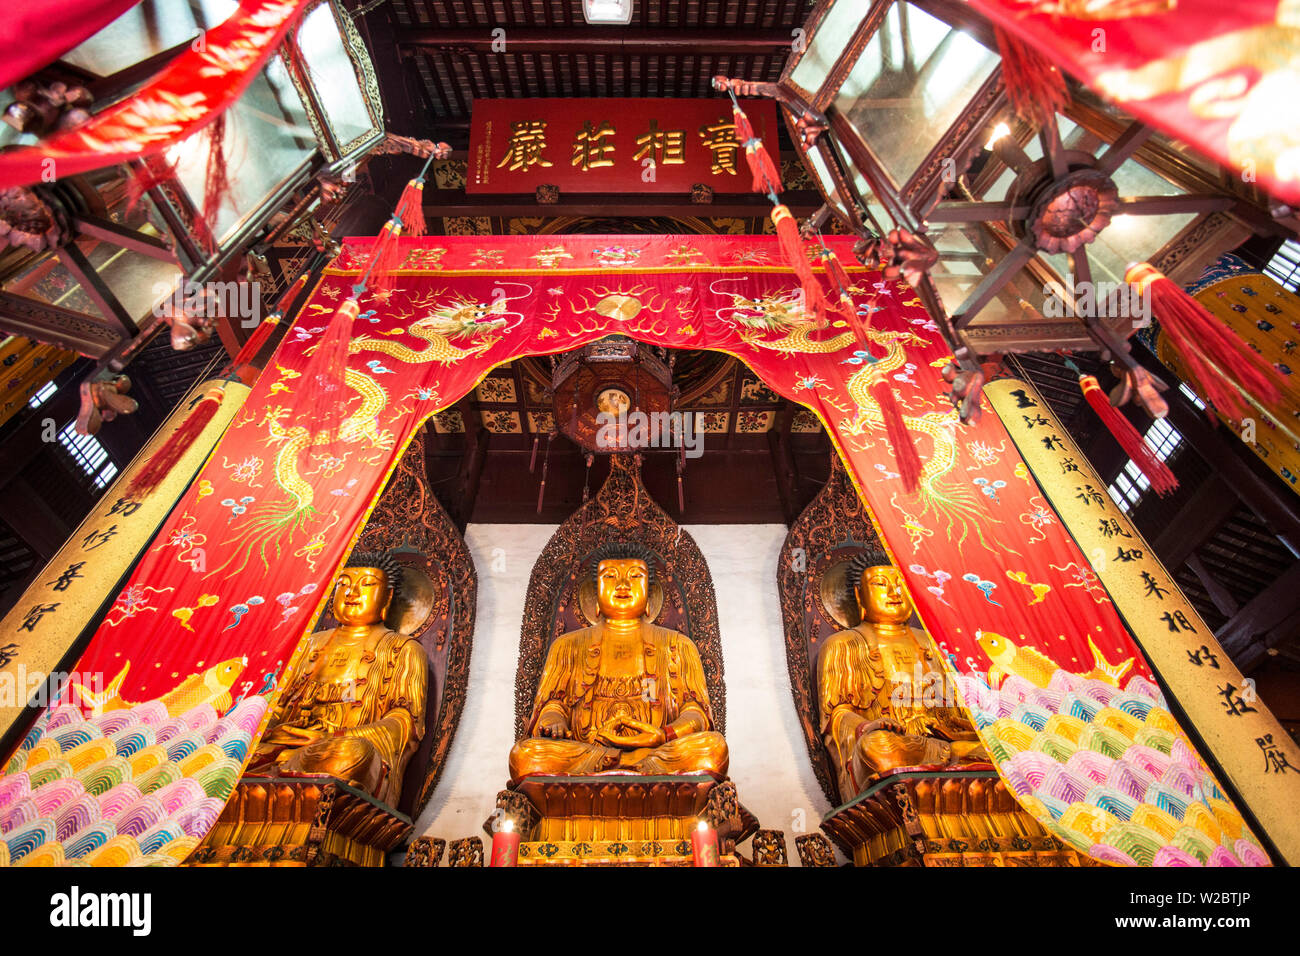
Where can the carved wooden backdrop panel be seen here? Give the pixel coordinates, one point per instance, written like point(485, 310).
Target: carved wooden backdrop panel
point(438, 607)
point(621, 511)
point(834, 527)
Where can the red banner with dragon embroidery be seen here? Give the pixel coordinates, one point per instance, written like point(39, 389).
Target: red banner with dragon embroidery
point(1220, 76)
point(241, 571)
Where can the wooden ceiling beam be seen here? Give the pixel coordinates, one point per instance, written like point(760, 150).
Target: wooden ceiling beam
point(610, 40)
point(54, 325)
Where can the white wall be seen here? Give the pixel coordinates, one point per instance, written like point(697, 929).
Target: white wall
point(769, 761)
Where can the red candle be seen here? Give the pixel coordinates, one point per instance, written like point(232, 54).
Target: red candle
point(505, 845)
point(704, 845)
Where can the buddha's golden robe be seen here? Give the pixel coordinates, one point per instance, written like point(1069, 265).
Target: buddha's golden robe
point(364, 704)
point(573, 685)
point(860, 683)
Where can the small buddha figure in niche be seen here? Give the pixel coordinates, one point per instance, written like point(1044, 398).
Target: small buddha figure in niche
point(353, 698)
point(875, 717)
point(623, 695)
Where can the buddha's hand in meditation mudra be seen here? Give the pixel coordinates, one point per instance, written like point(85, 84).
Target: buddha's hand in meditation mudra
point(591, 713)
point(630, 734)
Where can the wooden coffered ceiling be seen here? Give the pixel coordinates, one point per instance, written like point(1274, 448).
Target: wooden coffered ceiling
point(448, 54)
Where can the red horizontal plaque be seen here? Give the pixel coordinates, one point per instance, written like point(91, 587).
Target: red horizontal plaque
point(612, 145)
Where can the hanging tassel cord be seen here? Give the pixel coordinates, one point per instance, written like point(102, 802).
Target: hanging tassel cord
point(1034, 85)
point(839, 280)
point(250, 350)
point(787, 233)
point(1162, 479)
point(905, 453)
point(766, 177)
point(1218, 361)
point(546, 462)
point(162, 461)
point(410, 207)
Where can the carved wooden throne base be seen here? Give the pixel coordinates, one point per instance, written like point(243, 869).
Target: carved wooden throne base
point(621, 820)
point(943, 818)
point(301, 821)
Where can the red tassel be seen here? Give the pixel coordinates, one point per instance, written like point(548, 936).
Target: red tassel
point(766, 177)
point(327, 368)
point(1208, 347)
point(248, 351)
point(387, 257)
point(905, 454)
point(410, 209)
point(162, 461)
point(216, 181)
point(860, 326)
point(744, 128)
point(1135, 446)
point(1035, 87)
point(787, 232)
point(290, 293)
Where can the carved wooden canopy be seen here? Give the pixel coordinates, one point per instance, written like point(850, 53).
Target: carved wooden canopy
point(621, 511)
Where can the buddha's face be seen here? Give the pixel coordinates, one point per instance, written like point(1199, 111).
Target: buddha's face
point(882, 597)
point(622, 585)
point(362, 596)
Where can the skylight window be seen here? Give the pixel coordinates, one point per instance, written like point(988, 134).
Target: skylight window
point(44, 395)
point(89, 455)
point(1130, 485)
point(1285, 265)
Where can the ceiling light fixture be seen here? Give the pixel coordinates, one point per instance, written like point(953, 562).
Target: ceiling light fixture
point(606, 12)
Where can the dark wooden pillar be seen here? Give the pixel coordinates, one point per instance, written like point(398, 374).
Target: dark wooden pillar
point(471, 467)
point(787, 473)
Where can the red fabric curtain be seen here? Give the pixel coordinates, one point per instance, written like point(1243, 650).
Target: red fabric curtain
point(34, 34)
point(241, 571)
point(1221, 77)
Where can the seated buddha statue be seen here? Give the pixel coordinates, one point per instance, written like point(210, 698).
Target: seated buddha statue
point(875, 717)
point(352, 701)
point(623, 695)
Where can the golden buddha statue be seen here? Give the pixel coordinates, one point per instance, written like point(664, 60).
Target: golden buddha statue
point(885, 701)
point(623, 695)
point(352, 702)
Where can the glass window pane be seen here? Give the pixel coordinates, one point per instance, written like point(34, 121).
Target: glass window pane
point(333, 76)
point(910, 85)
point(267, 138)
point(828, 43)
point(146, 29)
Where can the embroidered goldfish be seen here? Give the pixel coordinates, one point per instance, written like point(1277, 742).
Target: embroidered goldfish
point(211, 686)
point(1103, 669)
point(1009, 658)
point(1036, 667)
